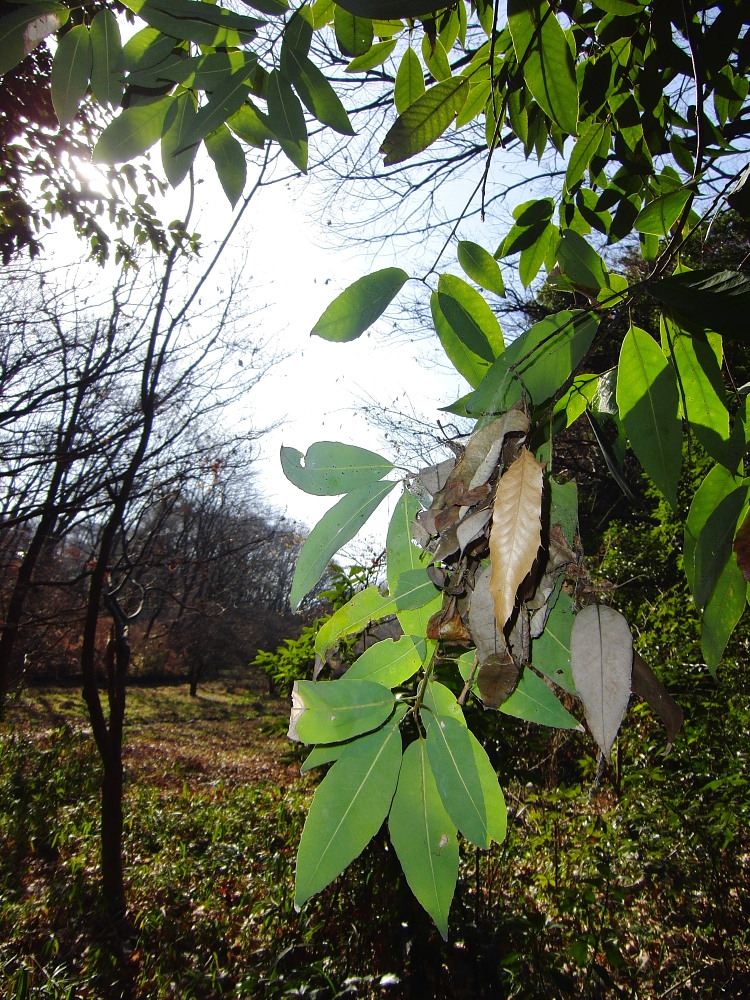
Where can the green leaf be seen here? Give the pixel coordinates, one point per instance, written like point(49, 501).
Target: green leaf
point(723, 612)
point(414, 589)
point(539, 361)
point(227, 98)
point(108, 63)
point(251, 126)
point(146, 50)
point(466, 780)
point(374, 58)
point(402, 556)
point(533, 701)
point(464, 360)
point(339, 710)
point(718, 484)
point(481, 266)
point(545, 60)
point(359, 305)
point(335, 529)
point(134, 131)
point(327, 753)
point(660, 215)
point(425, 120)
point(409, 81)
point(532, 257)
point(287, 119)
point(316, 93)
point(348, 808)
point(440, 700)
point(436, 58)
point(550, 653)
point(22, 30)
point(476, 102)
point(470, 318)
point(331, 468)
point(71, 71)
point(353, 34)
point(713, 545)
point(229, 160)
point(366, 606)
point(580, 262)
point(716, 300)
point(702, 390)
point(423, 836)
point(583, 152)
point(178, 122)
point(196, 21)
point(387, 662)
point(648, 402)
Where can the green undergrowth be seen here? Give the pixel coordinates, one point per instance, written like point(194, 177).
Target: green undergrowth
point(637, 888)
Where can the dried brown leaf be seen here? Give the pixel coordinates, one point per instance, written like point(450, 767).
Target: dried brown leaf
point(742, 548)
point(447, 625)
point(472, 527)
point(648, 686)
point(516, 532)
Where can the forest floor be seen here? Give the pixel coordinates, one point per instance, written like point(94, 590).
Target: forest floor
point(636, 890)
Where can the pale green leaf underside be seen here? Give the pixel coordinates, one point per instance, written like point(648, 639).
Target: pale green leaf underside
point(387, 662)
point(339, 710)
point(533, 701)
point(360, 305)
point(425, 120)
point(331, 468)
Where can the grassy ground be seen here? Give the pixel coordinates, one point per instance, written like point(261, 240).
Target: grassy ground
point(638, 890)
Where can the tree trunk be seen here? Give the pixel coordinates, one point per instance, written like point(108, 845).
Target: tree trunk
point(113, 885)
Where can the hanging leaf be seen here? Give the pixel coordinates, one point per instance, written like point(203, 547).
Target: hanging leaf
point(716, 300)
point(718, 484)
point(601, 658)
point(177, 124)
point(353, 34)
point(481, 266)
point(583, 152)
point(472, 366)
point(545, 59)
point(348, 808)
point(22, 30)
point(414, 589)
point(648, 403)
point(374, 58)
point(335, 529)
point(581, 263)
point(402, 556)
point(251, 126)
point(196, 21)
point(366, 606)
point(425, 120)
point(409, 81)
point(71, 71)
point(466, 780)
point(722, 613)
point(497, 677)
point(134, 131)
point(714, 543)
point(359, 305)
point(648, 686)
point(287, 119)
point(423, 836)
point(331, 468)
point(327, 753)
point(333, 711)
point(315, 92)
point(108, 64)
point(440, 700)
point(516, 532)
point(533, 701)
point(229, 159)
point(387, 662)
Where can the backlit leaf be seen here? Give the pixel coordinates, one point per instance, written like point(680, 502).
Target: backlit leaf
point(339, 710)
point(229, 159)
point(583, 152)
point(348, 808)
point(545, 60)
point(550, 653)
point(353, 34)
point(722, 613)
point(287, 119)
point(108, 63)
point(471, 319)
point(425, 120)
point(177, 123)
point(648, 402)
point(331, 468)
point(196, 21)
point(334, 530)
point(315, 92)
point(660, 215)
point(516, 532)
point(366, 606)
point(601, 658)
point(713, 546)
point(481, 266)
point(23, 29)
point(717, 300)
point(580, 262)
point(134, 131)
point(377, 55)
point(409, 81)
point(718, 484)
point(71, 71)
point(359, 305)
point(423, 836)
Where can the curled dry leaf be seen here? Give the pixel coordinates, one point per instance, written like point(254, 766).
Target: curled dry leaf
point(742, 548)
point(601, 658)
point(447, 625)
point(648, 686)
point(481, 616)
point(516, 532)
